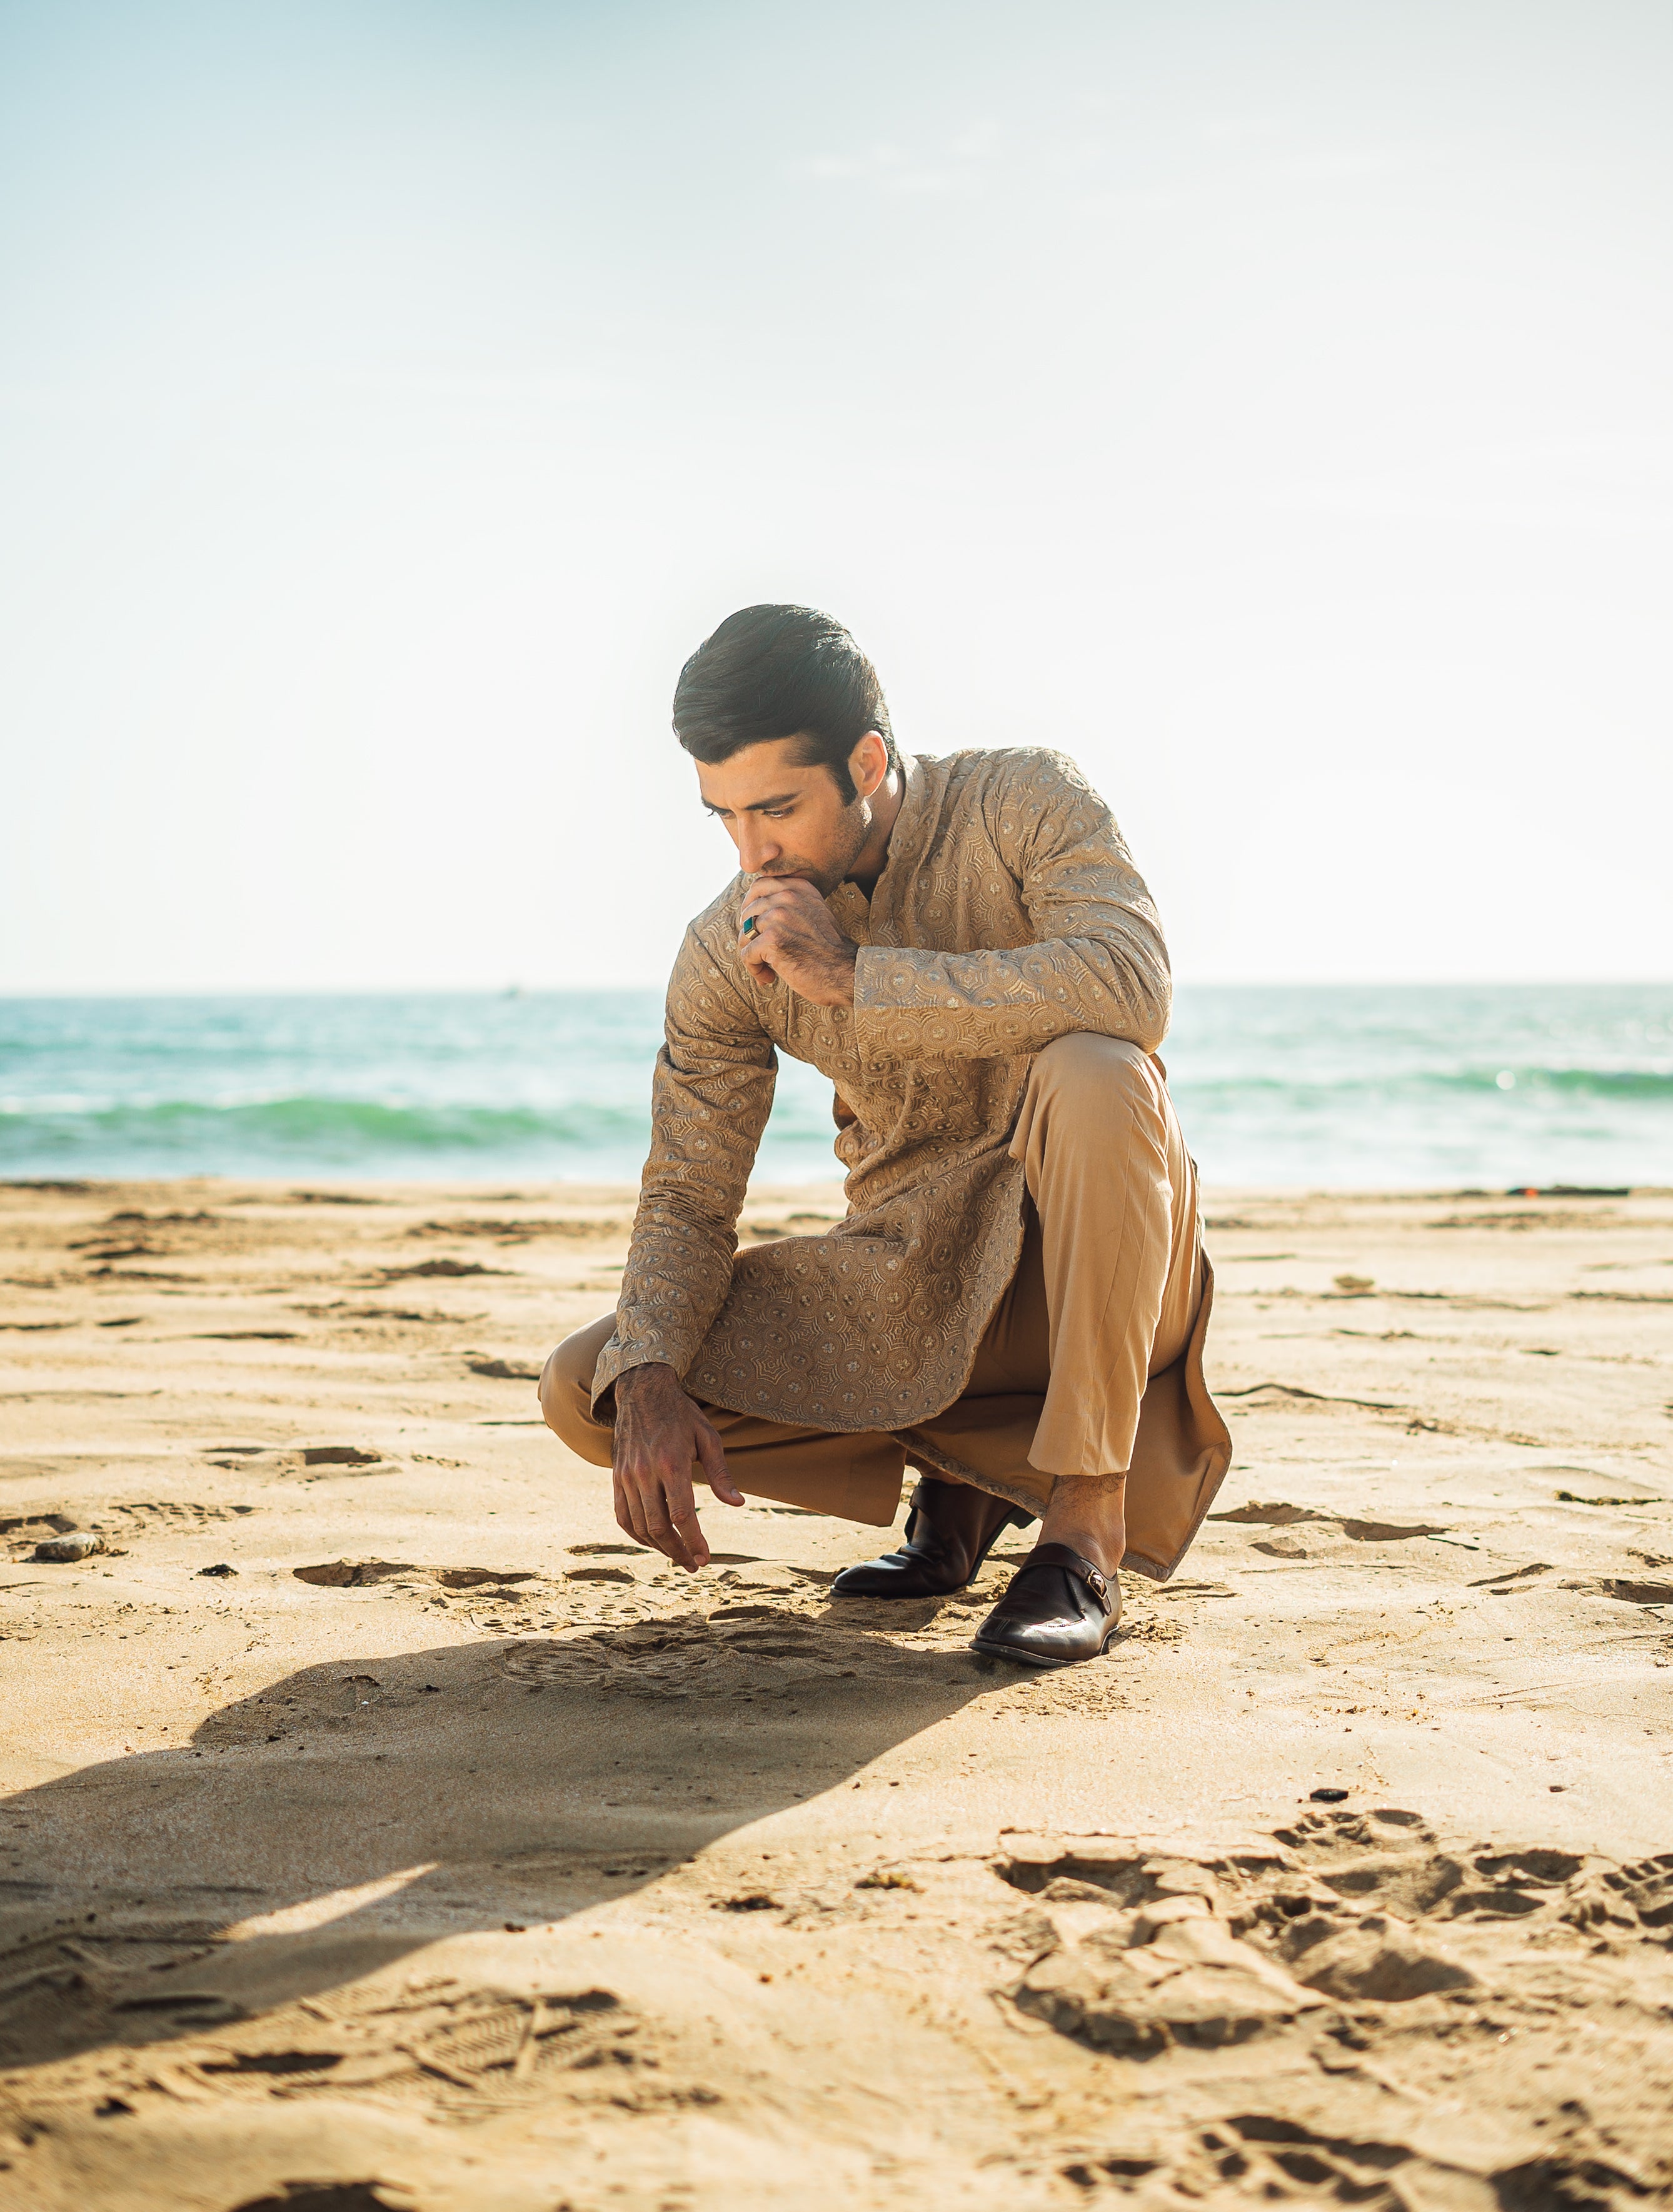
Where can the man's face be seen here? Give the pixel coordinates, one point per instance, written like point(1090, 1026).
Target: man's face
point(788, 818)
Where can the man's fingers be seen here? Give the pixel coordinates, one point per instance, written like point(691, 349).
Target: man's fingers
point(682, 1525)
point(641, 1516)
point(776, 903)
point(625, 1502)
point(693, 1545)
point(782, 896)
point(711, 1455)
point(673, 1542)
point(656, 1444)
point(658, 1511)
point(659, 1534)
point(795, 886)
point(768, 939)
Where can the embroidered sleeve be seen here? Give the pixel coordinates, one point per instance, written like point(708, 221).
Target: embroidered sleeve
point(1099, 962)
point(710, 1097)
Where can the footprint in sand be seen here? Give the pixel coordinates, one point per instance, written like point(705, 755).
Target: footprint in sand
point(744, 1649)
point(1147, 1951)
point(1279, 1515)
point(362, 1574)
point(108, 1528)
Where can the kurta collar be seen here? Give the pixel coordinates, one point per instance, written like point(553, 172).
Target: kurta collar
point(875, 916)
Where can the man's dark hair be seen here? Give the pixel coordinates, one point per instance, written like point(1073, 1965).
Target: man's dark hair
point(771, 673)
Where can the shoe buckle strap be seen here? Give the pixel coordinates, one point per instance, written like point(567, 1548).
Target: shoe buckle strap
point(1062, 1555)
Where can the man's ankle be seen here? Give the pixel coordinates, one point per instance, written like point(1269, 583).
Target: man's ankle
point(1103, 1546)
point(1089, 1517)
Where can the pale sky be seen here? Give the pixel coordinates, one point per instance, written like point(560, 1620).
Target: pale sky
point(1269, 404)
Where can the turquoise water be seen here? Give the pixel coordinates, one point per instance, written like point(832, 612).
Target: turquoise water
point(1321, 1087)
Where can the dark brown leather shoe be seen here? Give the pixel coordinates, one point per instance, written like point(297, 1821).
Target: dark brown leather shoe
point(1059, 1608)
point(949, 1532)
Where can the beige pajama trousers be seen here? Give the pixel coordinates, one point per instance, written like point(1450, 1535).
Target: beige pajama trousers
point(1091, 1364)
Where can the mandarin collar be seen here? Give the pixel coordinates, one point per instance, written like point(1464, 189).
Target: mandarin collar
point(876, 912)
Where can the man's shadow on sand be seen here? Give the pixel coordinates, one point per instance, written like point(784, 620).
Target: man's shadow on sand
point(478, 1786)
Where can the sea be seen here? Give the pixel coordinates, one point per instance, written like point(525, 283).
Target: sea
point(1486, 1087)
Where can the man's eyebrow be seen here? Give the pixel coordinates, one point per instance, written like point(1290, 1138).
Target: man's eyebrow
point(756, 806)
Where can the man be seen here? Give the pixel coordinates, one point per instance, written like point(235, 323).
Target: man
point(1016, 1302)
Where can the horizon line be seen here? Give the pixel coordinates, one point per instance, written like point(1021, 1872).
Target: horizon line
point(138, 993)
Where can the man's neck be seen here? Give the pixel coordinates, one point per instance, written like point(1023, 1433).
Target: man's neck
point(870, 861)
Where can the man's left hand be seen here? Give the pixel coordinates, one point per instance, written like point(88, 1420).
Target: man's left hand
point(794, 941)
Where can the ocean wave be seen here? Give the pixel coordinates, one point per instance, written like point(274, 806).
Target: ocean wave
point(174, 1136)
point(362, 1129)
point(1649, 1085)
point(346, 1128)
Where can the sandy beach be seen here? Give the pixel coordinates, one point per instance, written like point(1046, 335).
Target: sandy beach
point(428, 1846)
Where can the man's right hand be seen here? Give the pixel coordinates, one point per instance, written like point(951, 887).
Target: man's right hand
point(661, 1435)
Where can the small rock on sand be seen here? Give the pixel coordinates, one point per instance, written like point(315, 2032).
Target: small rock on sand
point(60, 1551)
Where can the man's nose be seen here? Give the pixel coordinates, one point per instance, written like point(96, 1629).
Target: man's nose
point(756, 848)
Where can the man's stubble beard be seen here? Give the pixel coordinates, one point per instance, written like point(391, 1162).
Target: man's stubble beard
point(857, 823)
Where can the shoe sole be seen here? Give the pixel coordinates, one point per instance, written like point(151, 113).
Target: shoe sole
point(1032, 1659)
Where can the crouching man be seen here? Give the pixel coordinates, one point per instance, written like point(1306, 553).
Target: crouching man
point(1016, 1302)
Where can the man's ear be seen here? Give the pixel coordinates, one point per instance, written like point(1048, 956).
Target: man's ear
point(868, 763)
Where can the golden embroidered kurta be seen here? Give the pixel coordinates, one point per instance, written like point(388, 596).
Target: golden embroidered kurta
point(1009, 913)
